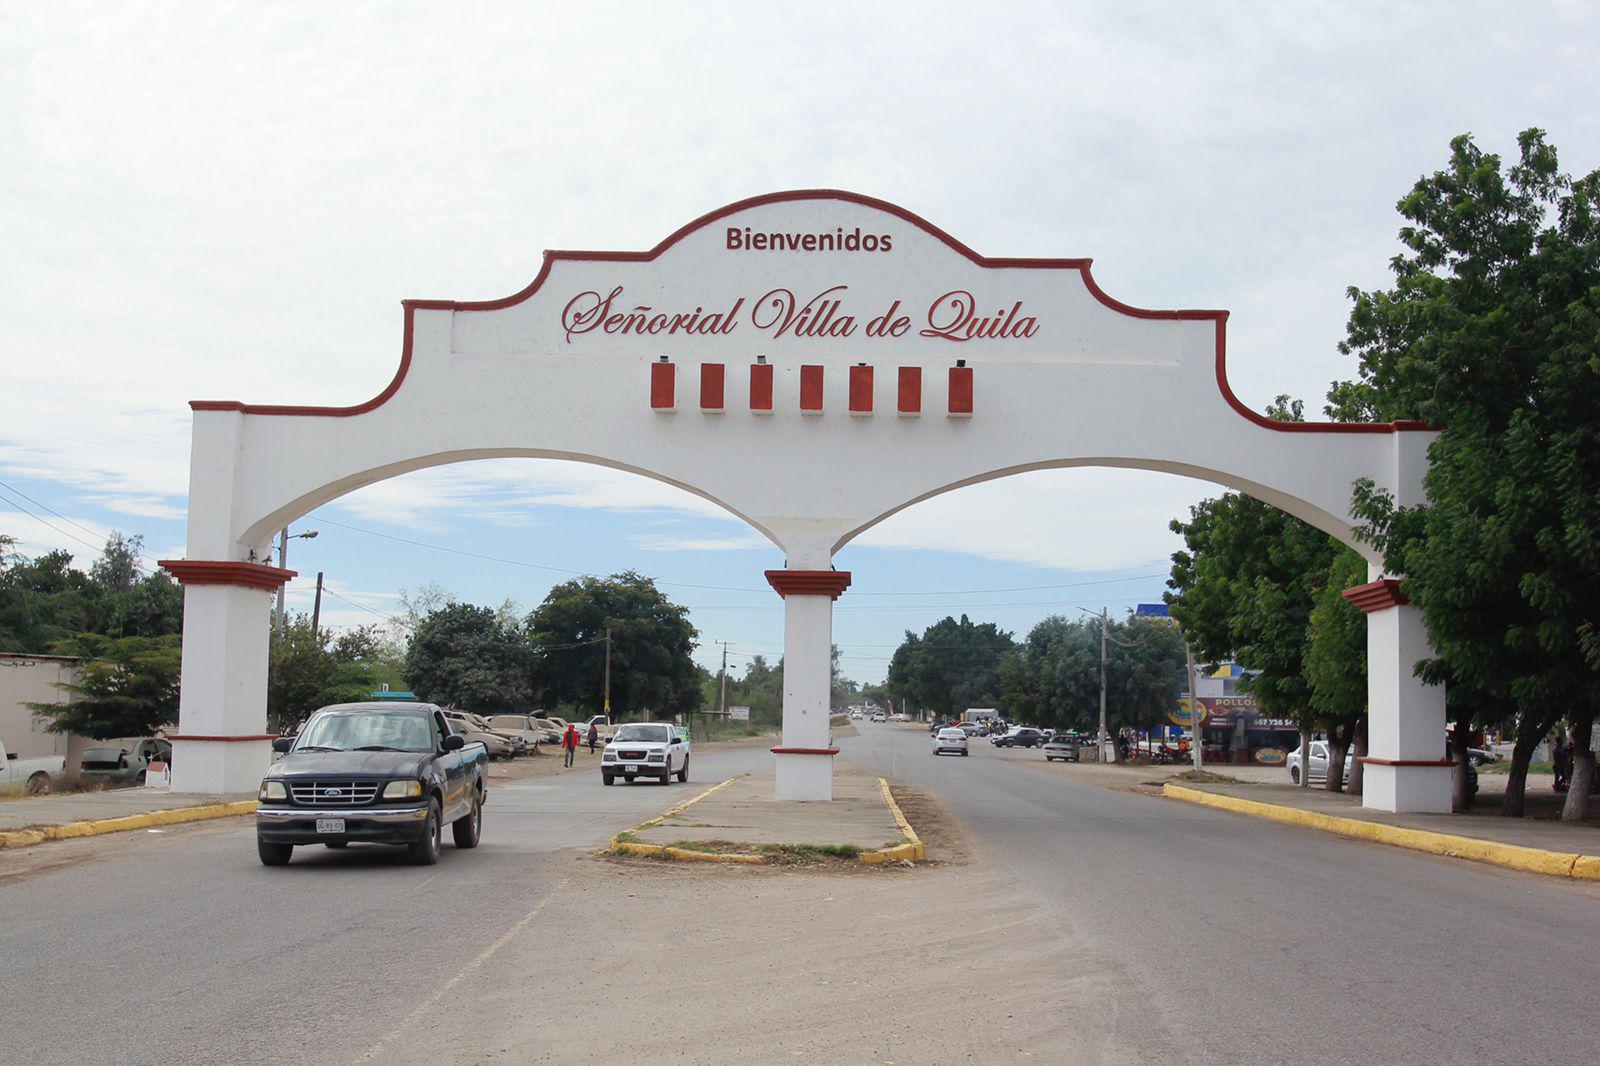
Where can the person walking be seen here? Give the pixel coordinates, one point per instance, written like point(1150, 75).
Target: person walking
point(1561, 763)
point(569, 742)
point(594, 735)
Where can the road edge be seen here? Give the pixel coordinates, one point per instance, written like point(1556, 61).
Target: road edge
point(666, 851)
point(21, 838)
point(1511, 856)
point(911, 852)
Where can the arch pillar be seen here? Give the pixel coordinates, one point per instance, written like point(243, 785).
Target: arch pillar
point(805, 758)
point(1405, 770)
point(221, 744)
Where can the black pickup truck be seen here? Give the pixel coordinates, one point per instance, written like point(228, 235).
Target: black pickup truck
point(381, 773)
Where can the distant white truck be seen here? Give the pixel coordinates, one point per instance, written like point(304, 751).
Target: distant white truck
point(979, 714)
point(34, 775)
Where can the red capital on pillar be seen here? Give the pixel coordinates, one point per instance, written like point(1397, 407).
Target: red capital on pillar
point(829, 583)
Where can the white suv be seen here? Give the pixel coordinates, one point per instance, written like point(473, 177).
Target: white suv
point(646, 749)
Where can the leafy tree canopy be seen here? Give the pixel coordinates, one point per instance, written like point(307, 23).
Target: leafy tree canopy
point(953, 665)
point(469, 657)
point(126, 687)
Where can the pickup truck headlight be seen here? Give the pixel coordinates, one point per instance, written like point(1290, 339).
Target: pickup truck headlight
point(609, 756)
point(273, 790)
point(399, 790)
point(657, 756)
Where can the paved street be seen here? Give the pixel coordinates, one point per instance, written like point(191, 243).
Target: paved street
point(1120, 926)
point(1254, 941)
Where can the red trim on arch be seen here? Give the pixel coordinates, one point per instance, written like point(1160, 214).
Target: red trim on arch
point(1377, 595)
point(210, 572)
point(1375, 761)
point(211, 738)
point(805, 751)
point(552, 257)
point(830, 583)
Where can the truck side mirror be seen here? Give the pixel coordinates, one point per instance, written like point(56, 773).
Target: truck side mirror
point(282, 744)
point(453, 742)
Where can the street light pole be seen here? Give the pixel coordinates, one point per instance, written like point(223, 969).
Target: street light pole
point(283, 564)
point(1104, 633)
point(606, 695)
point(1194, 710)
point(316, 609)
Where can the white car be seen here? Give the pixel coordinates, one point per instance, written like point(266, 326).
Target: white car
point(879, 716)
point(35, 776)
point(1319, 762)
point(518, 725)
point(950, 738)
point(645, 749)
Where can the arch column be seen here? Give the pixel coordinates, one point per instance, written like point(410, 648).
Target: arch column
point(805, 758)
point(221, 744)
point(1405, 770)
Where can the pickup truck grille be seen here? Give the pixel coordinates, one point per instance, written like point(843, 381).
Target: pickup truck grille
point(631, 755)
point(333, 793)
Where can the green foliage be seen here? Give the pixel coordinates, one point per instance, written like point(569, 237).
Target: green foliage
point(44, 601)
point(651, 644)
point(126, 687)
point(952, 666)
point(469, 657)
point(313, 669)
point(1054, 680)
point(1336, 661)
point(1244, 588)
point(1492, 331)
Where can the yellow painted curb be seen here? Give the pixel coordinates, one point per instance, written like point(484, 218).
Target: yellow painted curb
point(24, 837)
point(1511, 856)
point(910, 852)
point(661, 851)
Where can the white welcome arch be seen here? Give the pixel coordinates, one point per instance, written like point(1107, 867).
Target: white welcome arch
point(812, 361)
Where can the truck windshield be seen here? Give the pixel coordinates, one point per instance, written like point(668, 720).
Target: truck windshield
point(343, 732)
point(644, 733)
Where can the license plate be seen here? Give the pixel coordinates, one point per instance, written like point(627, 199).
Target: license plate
point(330, 825)
point(641, 769)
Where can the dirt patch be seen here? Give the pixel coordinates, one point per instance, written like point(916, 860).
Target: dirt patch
point(942, 837)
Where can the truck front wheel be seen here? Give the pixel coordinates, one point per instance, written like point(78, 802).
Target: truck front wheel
point(607, 778)
point(425, 849)
point(273, 854)
point(39, 784)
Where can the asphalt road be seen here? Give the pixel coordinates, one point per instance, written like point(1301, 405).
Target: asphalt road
point(1248, 941)
point(181, 947)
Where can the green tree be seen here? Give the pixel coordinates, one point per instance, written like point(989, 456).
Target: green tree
point(43, 601)
point(311, 669)
point(125, 687)
point(952, 666)
point(1336, 664)
point(651, 644)
point(1491, 331)
point(469, 657)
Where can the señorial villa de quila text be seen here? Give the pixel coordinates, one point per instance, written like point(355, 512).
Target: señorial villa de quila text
point(954, 316)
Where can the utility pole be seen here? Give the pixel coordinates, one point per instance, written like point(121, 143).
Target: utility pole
point(1105, 630)
point(722, 700)
point(1194, 710)
point(283, 564)
point(606, 695)
point(316, 609)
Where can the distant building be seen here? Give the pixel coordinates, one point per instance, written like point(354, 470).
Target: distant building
point(25, 679)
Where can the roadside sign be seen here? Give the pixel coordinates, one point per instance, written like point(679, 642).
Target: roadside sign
point(739, 714)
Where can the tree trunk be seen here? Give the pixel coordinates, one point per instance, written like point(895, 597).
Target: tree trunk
point(1461, 795)
point(1358, 768)
point(1576, 808)
point(1513, 806)
point(1339, 738)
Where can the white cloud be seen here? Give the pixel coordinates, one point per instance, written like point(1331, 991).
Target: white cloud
point(653, 542)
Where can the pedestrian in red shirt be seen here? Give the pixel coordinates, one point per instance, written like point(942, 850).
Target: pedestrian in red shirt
point(569, 741)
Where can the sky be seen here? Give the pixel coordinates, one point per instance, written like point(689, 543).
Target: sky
point(230, 202)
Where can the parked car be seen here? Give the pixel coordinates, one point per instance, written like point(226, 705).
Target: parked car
point(552, 728)
point(950, 738)
point(969, 729)
point(1062, 745)
point(1021, 736)
point(603, 727)
point(380, 773)
point(1480, 756)
point(645, 749)
point(518, 725)
point(35, 775)
point(1319, 762)
point(122, 766)
point(495, 746)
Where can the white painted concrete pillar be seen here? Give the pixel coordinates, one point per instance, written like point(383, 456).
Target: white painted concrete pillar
point(1405, 765)
point(221, 744)
point(805, 758)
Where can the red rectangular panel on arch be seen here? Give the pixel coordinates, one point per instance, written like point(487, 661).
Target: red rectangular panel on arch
point(861, 390)
point(761, 388)
point(662, 386)
point(711, 382)
point(910, 398)
point(811, 389)
point(960, 391)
